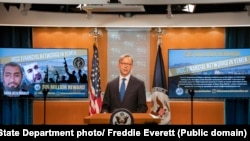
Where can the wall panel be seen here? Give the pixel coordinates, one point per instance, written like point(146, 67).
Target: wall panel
point(73, 112)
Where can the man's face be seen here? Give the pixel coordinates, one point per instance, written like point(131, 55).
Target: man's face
point(33, 73)
point(12, 77)
point(125, 66)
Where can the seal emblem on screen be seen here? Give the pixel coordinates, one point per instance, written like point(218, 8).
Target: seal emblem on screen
point(179, 91)
point(121, 117)
point(37, 87)
point(78, 62)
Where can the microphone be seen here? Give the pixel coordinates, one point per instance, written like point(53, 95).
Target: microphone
point(191, 92)
point(45, 92)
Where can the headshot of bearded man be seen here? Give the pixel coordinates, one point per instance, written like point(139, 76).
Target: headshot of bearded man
point(12, 76)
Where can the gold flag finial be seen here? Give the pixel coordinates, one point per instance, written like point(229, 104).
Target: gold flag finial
point(95, 32)
point(159, 32)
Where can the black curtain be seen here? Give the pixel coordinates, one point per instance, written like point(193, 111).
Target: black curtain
point(237, 111)
point(19, 110)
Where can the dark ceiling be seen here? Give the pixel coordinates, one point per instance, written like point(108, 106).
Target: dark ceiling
point(149, 9)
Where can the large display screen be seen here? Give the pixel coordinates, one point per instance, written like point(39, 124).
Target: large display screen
point(63, 73)
point(210, 73)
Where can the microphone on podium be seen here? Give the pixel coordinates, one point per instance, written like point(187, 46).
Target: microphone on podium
point(45, 93)
point(191, 92)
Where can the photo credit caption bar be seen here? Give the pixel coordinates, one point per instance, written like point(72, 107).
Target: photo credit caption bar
point(78, 132)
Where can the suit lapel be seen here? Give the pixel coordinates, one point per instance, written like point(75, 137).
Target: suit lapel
point(117, 92)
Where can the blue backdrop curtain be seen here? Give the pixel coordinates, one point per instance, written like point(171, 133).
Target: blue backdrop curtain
point(237, 111)
point(15, 111)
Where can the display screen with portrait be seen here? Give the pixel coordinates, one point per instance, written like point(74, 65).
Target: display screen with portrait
point(30, 71)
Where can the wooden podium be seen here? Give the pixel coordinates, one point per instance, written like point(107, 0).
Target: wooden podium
point(104, 118)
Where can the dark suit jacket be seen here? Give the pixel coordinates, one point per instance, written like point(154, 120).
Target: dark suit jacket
point(134, 99)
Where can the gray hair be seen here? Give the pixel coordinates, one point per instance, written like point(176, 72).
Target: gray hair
point(126, 56)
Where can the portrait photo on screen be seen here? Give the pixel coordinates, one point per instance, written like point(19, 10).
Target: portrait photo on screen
point(29, 71)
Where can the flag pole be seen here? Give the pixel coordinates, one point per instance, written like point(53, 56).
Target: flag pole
point(159, 32)
point(95, 86)
point(160, 101)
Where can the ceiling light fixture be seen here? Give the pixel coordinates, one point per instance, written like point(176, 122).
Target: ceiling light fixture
point(79, 6)
point(114, 1)
point(128, 15)
point(189, 8)
point(111, 7)
point(88, 11)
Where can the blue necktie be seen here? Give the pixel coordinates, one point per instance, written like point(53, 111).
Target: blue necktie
point(122, 89)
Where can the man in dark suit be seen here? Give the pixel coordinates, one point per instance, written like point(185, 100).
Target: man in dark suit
point(134, 98)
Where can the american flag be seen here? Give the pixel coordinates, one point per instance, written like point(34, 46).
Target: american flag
point(95, 87)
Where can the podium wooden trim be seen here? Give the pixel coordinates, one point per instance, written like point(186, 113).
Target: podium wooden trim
point(104, 118)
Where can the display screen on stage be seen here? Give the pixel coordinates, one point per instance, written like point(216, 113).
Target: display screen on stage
point(30, 72)
point(211, 73)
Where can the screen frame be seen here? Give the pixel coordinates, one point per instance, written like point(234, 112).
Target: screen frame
point(76, 59)
point(179, 91)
